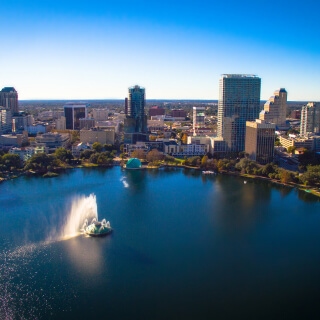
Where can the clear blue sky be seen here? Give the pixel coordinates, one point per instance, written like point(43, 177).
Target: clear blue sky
point(175, 49)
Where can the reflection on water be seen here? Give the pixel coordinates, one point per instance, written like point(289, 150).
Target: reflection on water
point(28, 289)
point(184, 246)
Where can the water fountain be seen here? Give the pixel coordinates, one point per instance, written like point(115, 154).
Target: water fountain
point(96, 228)
point(84, 208)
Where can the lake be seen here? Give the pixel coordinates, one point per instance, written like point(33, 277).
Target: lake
point(184, 246)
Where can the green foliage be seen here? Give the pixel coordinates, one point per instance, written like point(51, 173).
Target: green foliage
point(75, 136)
point(204, 161)
point(309, 158)
point(268, 169)
point(97, 146)
point(247, 166)
point(285, 176)
point(168, 159)
point(102, 158)
point(63, 154)
point(10, 162)
point(40, 162)
point(193, 161)
point(86, 154)
point(311, 176)
point(291, 149)
point(109, 147)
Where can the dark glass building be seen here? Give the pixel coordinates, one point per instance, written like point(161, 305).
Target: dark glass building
point(73, 113)
point(135, 123)
point(9, 99)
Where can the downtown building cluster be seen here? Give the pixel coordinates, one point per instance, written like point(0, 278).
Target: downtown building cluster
point(242, 127)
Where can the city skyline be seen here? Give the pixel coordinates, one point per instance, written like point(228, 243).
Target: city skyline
point(96, 50)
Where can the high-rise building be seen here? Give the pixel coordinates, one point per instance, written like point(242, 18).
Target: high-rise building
point(275, 109)
point(100, 114)
point(73, 112)
point(61, 123)
point(5, 120)
point(9, 99)
point(310, 119)
point(239, 101)
point(198, 118)
point(260, 137)
point(135, 123)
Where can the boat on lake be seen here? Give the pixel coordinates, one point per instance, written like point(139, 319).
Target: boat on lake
point(208, 172)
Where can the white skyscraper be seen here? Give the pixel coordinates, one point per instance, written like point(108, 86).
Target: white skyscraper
point(275, 109)
point(310, 119)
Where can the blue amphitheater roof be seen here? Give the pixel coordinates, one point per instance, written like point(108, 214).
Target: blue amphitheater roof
point(133, 163)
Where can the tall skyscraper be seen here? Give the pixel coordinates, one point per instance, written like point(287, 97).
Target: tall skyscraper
point(5, 120)
point(73, 112)
point(135, 123)
point(198, 118)
point(275, 109)
point(239, 101)
point(310, 119)
point(9, 99)
point(260, 137)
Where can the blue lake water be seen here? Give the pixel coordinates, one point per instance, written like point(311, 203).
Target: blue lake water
point(184, 246)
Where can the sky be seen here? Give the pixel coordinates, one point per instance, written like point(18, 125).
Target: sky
point(175, 49)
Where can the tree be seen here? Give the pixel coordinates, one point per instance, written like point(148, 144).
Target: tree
point(291, 149)
point(10, 161)
point(152, 138)
point(40, 162)
point(286, 176)
point(75, 136)
point(154, 155)
point(204, 161)
point(63, 154)
point(269, 168)
point(311, 176)
point(184, 138)
point(309, 158)
point(108, 147)
point(140, 154)
point(86, 154)
point(97, 146)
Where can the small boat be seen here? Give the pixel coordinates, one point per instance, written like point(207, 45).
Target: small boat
point(97, 228)
point(245, 181)
point(208, 172)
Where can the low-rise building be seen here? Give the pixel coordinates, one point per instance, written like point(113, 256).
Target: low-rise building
point(93, 135)
point(37, 128)
point(156, 111)
point(155, 125)
point(87, 123)
point(307, 143)
point(52, 141)
point(14, 139)
point(76, 150)
point(26, 153)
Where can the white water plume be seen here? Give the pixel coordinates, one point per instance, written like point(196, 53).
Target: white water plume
point(82, 208)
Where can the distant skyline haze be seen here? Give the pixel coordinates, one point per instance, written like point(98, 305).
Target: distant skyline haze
point(176, 50)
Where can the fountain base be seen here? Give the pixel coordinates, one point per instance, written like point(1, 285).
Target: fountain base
point(97, 228)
